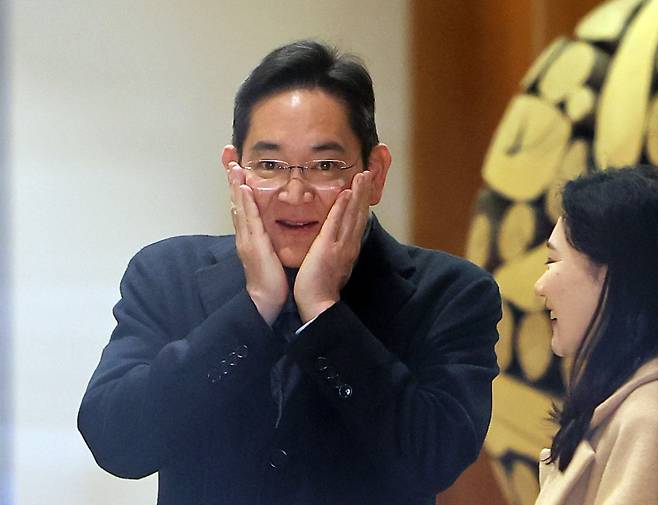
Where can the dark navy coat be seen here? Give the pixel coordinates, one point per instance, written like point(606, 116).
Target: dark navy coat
point(393, 404)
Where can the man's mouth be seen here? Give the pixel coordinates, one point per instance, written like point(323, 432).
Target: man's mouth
point(295, 225)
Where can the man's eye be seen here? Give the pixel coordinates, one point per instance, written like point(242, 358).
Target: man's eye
point(268, 165)
point(326, 165)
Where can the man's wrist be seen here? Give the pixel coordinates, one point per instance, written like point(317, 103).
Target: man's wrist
point(268, 311)
point(307, 312)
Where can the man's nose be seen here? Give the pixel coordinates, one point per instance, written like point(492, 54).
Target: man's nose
point(296, 190)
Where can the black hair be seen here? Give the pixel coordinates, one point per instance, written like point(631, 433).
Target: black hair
point(310, 64)
point(612, 217)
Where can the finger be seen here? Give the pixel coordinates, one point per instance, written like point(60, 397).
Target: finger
point(237, 210)
point(230, 166)
point(362, 186)
point(237, 178)
point(332, 225)
point(252, 217)
point(366, 187)
point(233, 176)
point(233, 184)
point(236, 172)
point(356, 214)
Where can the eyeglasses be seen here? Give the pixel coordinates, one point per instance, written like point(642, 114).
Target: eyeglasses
point(323, 174)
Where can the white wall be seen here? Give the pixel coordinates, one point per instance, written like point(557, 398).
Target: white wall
point(119, 110)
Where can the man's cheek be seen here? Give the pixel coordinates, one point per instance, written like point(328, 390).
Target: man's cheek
point(328, 198)
point(263, 199)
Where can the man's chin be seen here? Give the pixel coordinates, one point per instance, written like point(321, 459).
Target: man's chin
point(291, 258)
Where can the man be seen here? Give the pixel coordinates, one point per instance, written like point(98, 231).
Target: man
point(311, 358)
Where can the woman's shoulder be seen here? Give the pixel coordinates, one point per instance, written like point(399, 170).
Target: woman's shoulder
point(635, 402)
point(617, 458)
point(639, 409)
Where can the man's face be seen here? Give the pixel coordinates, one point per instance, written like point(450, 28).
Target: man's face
point(297, 126)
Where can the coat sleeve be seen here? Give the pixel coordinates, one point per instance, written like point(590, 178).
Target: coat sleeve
point(422, 421)
point(152, 389)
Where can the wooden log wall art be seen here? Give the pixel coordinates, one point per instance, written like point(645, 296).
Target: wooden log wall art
point(589, 102)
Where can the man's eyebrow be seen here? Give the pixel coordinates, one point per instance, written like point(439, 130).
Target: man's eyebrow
point(328, 146)
point(264, 145)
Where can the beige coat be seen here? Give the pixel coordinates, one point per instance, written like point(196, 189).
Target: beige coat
point(619, 464)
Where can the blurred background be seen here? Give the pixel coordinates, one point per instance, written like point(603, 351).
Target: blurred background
point(112, 118)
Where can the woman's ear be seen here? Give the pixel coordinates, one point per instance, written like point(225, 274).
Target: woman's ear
point(379, 163)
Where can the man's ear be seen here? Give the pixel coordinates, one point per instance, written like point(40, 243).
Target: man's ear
point(378, 164)
point(229, 154)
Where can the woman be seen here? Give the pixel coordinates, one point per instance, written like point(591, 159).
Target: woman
point(601, 288)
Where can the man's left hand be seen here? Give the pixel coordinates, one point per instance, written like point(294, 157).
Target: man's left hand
point(328, 264)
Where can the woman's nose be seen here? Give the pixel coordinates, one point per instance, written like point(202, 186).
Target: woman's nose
point(539, 286)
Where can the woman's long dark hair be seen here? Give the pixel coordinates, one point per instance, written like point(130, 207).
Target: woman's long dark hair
point(612, 217)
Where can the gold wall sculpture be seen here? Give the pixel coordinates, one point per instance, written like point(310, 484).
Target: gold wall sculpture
point(589, 102)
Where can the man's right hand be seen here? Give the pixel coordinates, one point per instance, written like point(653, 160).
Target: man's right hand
point(267, 284)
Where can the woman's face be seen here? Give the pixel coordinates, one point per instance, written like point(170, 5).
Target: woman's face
point(571, 287)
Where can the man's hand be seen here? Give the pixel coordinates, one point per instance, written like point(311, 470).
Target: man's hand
point(266, 281)
point(328, 265)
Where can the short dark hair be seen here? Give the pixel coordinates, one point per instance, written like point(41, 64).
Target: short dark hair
point(612, 217)
point(311, 64)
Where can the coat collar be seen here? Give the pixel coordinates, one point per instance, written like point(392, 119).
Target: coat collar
point(380, 282)
point(646, 373)
point(556, 485)
point(378, 287)
point(223, 278)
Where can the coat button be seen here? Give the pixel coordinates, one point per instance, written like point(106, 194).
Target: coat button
point(345, 391)
point(279, 459)
point(242, 351)
point(335, 380)
point(321, 364)
point(331, 375)
point(224, 367)
point(214, 375)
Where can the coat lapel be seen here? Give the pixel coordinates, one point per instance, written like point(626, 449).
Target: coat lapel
point(646, 373)
point(377, 290)
point(555, 485)
point(379, 285)
point(223, 278)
